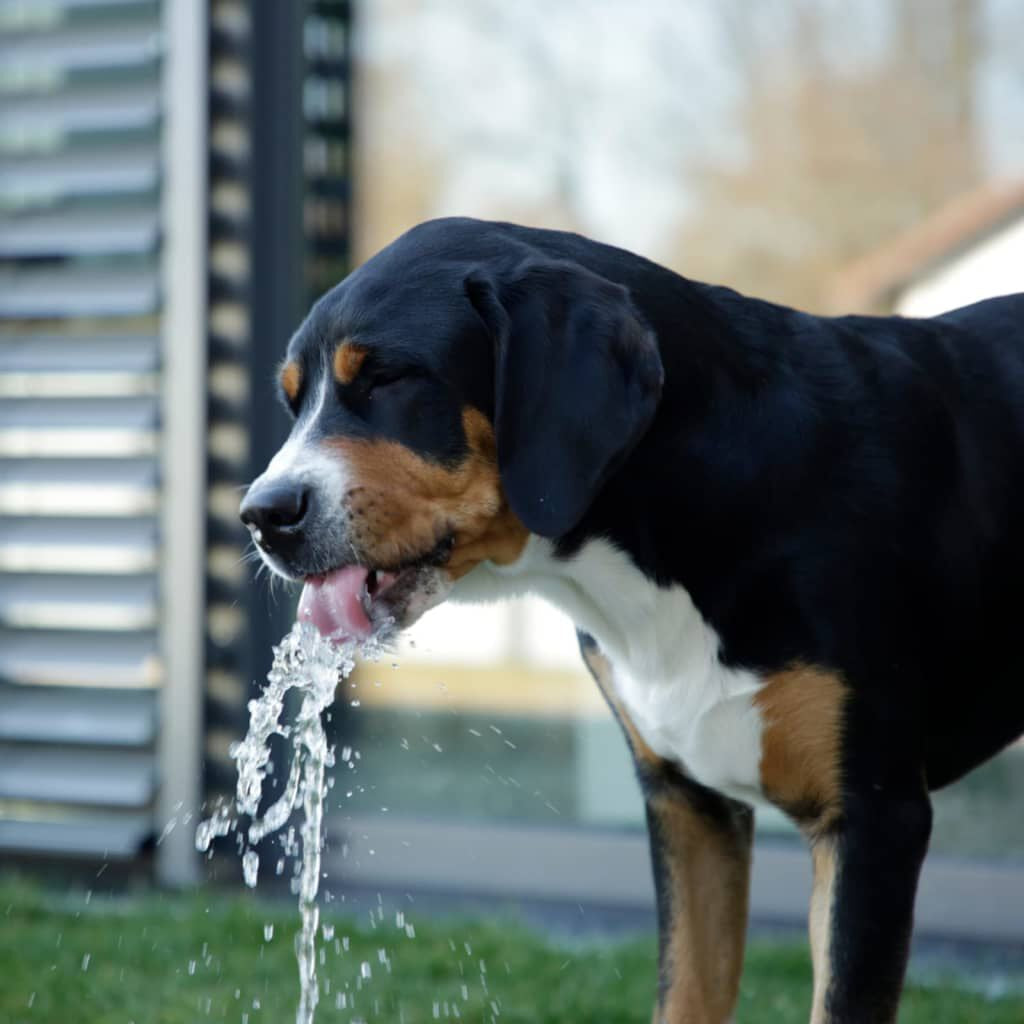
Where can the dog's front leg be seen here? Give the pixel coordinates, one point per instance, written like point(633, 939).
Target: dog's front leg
point(700, 853)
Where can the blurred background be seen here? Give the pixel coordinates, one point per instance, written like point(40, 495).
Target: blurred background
point(178, 181)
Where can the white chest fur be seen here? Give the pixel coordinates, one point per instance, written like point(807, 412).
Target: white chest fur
point(687, 705)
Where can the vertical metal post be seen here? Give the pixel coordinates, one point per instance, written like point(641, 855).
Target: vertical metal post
point(278, 299)
point(183, 456)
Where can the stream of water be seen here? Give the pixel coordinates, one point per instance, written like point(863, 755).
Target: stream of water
point(305, 662)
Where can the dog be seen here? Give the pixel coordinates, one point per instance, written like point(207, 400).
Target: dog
point(790, 545)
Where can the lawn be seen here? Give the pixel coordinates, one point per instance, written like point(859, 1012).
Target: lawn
point(168, 960)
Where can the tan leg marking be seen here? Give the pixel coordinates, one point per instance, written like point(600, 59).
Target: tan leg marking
point(801, 772)
point(801, 743)
point(708, 866)
point(348, 360)
point(823, 853)
point(402, 504)
point(601, 670)
point(704, 853)
point(291, 380)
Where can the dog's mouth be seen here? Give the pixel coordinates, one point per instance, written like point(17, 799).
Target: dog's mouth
point(354, 601)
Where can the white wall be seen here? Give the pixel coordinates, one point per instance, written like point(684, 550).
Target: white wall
point(994, 267)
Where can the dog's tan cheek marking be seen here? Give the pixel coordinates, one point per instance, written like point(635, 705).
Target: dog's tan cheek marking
point(494, 533)
point(291, 380)
point(402, 504)
point(348, 360)
point(802, 712)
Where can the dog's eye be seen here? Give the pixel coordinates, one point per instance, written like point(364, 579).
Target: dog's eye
point(382, 383)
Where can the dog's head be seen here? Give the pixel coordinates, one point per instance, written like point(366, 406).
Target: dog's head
point(457, 392)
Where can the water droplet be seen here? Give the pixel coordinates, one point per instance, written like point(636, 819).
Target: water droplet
point(191, 967)
point(364, 970)
point(251, 868)
point(85, 961)
point(268, 932)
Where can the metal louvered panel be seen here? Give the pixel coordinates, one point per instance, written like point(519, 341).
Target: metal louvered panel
point(81, 294)
point(79, 659)
point(110, 718)
point(81, 231)
point(64, 545)
point(100, 172)
point(71, 291)
point(98, 778)
point(86, 833)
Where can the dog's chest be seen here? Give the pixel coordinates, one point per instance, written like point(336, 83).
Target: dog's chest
point(685, 704)
point(705, 722)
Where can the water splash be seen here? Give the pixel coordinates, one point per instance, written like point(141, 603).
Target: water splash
point(305, 662)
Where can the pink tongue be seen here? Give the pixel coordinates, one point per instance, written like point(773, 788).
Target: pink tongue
point(332, 604)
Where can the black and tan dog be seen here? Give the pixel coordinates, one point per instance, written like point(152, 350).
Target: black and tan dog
point(792, 546)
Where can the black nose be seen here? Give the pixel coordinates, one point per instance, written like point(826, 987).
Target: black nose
point(275, 510)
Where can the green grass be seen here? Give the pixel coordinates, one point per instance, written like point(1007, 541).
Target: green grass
point(171, 960)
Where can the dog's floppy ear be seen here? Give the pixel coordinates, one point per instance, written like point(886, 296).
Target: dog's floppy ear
point(577, 381)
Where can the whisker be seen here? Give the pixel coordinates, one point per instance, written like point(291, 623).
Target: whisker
point(252, 555)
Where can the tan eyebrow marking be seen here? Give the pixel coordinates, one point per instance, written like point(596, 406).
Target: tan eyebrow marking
point(291, 380)
point(348, 359)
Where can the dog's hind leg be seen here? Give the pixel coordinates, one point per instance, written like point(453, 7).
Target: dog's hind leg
point(700, 853)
